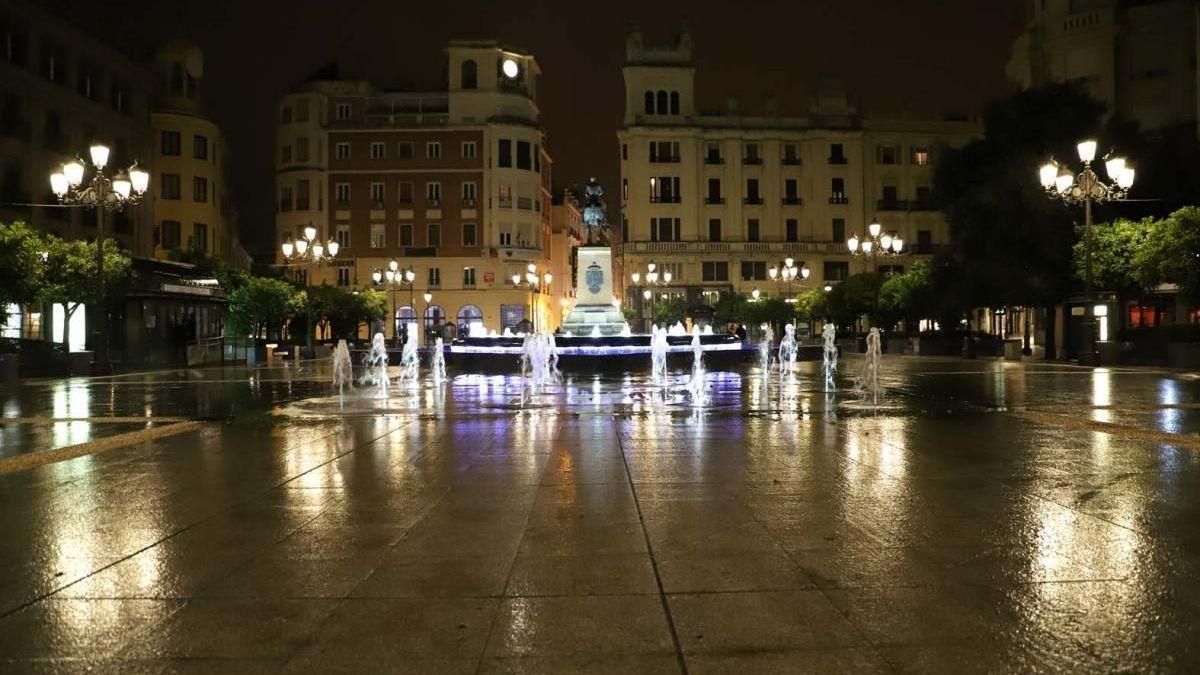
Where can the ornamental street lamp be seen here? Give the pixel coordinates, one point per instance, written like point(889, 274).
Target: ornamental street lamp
point(102, 193)
point(876, 243)
point(309, 252)
point(428, 298)
point(653, 279)
point(1085, 188)
point(391, 278)
point(787, 273)
point(536, 283)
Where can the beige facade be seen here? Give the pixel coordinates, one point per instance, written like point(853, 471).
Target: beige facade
point(1138, 57)
point(719, 198)
point(453, 184)
point(192, 206)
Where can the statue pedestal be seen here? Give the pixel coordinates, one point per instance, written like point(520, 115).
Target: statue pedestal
point(594, 295)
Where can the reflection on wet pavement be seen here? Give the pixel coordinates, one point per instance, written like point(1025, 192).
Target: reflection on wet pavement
point(991, 517)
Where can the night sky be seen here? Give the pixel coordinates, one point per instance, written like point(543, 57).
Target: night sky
point(895, 58)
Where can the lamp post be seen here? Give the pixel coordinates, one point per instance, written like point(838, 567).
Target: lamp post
point(876, 243)
point(536, 283)
point(1086, 187)
point(428, 298)
point(103, 193)
point(653, 279)
point(391, 278)
point(308, 251)
point(787, 273)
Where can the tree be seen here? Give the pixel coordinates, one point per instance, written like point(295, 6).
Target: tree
point(70, 276)
point(260, 306)
point(372, 306)
point(1171, 253)
point(1116, 247)
point(810, 305)
point(1009, 239)
point(909, 296)
point(861, 296)
point(669, 311)
point(22, 265)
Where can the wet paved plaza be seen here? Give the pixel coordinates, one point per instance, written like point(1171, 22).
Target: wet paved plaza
point(988, 517)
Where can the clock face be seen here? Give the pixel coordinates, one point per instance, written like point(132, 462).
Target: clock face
point(510, 68)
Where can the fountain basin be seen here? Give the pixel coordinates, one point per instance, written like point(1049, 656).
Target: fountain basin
point(626, 352)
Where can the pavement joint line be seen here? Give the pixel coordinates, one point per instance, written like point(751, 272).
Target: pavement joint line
point(662, 593)
point(1125, 430)
point(30, 460)
point(46, 421)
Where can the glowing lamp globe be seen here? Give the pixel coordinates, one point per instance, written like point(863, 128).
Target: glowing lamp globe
point(885, 242)
point(805, 272)
point(333, 247)
point(510, 69)
point(310, 232)
point(394, 265)
point(318, 250)
point(897, 244)
point(99, 153)
point(139, 178)
point(58, 183)
point(73, 170)
point(1047, 174)
point(377, 276)
point(772, 273)
point(874, 228)
point(516, 279)
point(288, 248)
point(1114, 166)
point(1125, 178)
point(636, 277)
point(867, 245)
point(667, 277)
point(301, 246)
point(1063, 182)
point(1087, 150)
point(122, 186)
point(852, 243)
point(428, 296)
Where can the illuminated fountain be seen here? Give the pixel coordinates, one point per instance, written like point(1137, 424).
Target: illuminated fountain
point(438, 362)
point(376, 363)
point(410, 361)
point(552, 357)
point(343, 369)
point(787, 349)
point(658, 354)
point(695, 385)
point(829, 356)
point(764, 348)
point(869, 383)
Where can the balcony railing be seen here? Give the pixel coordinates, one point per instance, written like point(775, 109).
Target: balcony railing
point(752, 160)
point(664, 159)
point(792, 201)
point(710, 159)
point(837, 160)
point(757, 247)
point(839, 199)
point(752, 200)
point(891, 205)
point(714, 200)
point(666, 199)
point(790, 161)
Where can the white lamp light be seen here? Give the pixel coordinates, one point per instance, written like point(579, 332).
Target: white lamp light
point(667, 277)
point(754, 294)
point(428, 296)
point(636, 277)
point(310, 232)
point(866, 245)
point(1087, 150)
point(897, 244)
point(99, 154)
point(805, 271)
point(122, 186)
point(650, 266)
point(516, 279)
point(333, 247)
point(652, 277)
point(547, 278)
point(772, 273)
point(301, 246)
point(1125, 178)
point(1113, 166)
point(139, 178)
point(288, 247)
point(1064, 181)
point(510, 68)
point(874, 228)
point(1047, 174)
point(852, 243)
point(73, 170)
point(394, 265)
point(409, 275)
point(318, 249)
point(377, 276)
point(646, 294)
point(788, 262)
point(58, 183)
point(885, 242)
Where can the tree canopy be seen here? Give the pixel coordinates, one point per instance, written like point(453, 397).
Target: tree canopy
point(22, 264)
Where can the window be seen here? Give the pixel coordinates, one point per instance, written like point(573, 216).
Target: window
point(404, 150)
point(302, 195)
point(664, 151)
point(433, 234)
point(712, 154)
point(624, 189)
point(378, 235)
point(890, 197)
point(660, 100)
point(302, 149)
point(505, 158)
point(170, 143)
point(836, 270)
point(754, 270)
point(752, 156)
point(341, 151)
point(470, 74)
point(624, 151)
point(524, 161)
point(404, 192)
point(285, 198)
point(433, 150)
point(752, 230)
point(792, 230)
point(838, 230)
point(199, 147)
point(342, 112)
point(433, 193)
point(377, 194)
point(469, 150)
point(302, 110)
point(649, 103)
point(791, 154)
point(469, 237)
point(664, 229)
point(170, 234)
point(791, 191)
point(342, 234)
point(887, 154)
point(341, 193)
point(343, 276)
point(468, 277)
point(714, 270)
point(664, 189)
point(285, 114)
point(170, 186)
point(674, 103)
point(837, 153)
point(200, 236)
point(837, 191)
point(714, 229)
point(468, 192)
point(505, 237)
point(504, 196)
point(714, 191)
point(119, 97)
point(406, 234)
point(376, 150)
point(435, 277)
point(752, 196)
point(920, 155)
point(199, 189)
point(285, 154)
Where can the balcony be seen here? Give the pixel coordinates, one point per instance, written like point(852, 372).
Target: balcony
point(752, 160)
point(790, 161)
point(839, 199)
point(712, 159)
point(714, 200)
point(724, 247)
point(792, 201)
point(664, 159)
point(837, 160)
point(752, 200)
point(891, 205)
point(921, 205)
point(468, 203)
point(665, 199)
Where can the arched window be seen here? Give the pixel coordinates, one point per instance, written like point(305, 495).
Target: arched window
point(470, 321)
point(405, 321)
point(674, 103)
point(662, 102)
point(470, 74)
point(649, 103)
